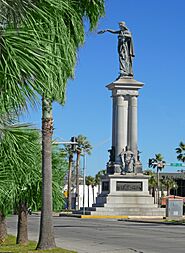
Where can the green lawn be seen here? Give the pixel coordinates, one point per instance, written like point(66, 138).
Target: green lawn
point(10, 246)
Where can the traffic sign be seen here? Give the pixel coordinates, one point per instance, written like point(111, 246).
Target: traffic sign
point(177, 164)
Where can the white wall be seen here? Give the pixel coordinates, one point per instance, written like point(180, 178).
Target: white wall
point(86, 195)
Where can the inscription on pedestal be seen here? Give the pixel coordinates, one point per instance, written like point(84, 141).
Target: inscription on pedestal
point(129, 186)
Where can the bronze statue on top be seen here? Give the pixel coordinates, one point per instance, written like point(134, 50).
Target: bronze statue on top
point(125, 49)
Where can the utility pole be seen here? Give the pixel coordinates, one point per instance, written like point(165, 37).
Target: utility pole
point(73, 142)
point(84, 174)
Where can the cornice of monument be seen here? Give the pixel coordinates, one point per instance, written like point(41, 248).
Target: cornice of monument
point(125, 83)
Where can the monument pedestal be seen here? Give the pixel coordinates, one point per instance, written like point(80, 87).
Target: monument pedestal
point(126, 195)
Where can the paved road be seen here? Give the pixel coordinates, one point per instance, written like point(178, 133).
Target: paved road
point(110, 236)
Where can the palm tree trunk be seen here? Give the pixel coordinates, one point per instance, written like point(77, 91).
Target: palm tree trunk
point(154, 194)
point(168, 191)
point(77, 179)
point(3, 228)
point(22, 226)
point(88, 195)
point(93, 193)
point(69, 180)
point(150, 190)
point(46, 237)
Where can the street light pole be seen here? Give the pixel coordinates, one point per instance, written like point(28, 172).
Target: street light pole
point(84, 174)
point(73, 143)
point(158, 197)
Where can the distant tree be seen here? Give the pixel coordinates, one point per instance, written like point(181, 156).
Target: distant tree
point(98, 178)
point(156, 161)
point(85, 147)
point(152, 183)
point(181, 152)
point(159, 163)
point(169, 183)
point(59, 167)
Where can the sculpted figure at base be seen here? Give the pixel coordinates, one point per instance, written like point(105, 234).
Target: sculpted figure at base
point(128, 161)
point(125, 49)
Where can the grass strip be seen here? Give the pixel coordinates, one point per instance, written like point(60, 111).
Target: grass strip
point(10, 246)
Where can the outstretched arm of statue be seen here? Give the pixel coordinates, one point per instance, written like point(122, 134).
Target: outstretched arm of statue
point(109, 30)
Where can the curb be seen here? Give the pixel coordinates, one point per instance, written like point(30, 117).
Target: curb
point(154, 222)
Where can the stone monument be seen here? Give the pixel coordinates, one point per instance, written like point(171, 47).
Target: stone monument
point(124, 150)
point(125, 188)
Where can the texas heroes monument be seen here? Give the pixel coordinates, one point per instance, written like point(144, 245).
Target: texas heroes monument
point(124, 187)
point(124, 154)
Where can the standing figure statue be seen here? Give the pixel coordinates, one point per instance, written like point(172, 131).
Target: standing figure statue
point(129, 161)
point(125, 49)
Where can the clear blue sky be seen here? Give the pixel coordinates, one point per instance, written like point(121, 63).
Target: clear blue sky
point(158, 32)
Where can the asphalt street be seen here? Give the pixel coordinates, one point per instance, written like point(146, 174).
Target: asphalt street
point(110, 236)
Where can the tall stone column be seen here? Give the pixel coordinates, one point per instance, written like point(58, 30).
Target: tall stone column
point(113, 121)
point(133, 126)
point(120, 134)
point(124, 123)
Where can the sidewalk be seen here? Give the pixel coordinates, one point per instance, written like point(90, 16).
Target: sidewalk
point(142, 219)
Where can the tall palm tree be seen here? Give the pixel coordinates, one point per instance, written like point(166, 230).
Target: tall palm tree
point(159, 163)
point(60, 33)
point(27, 64)
point(181, 152)
point(70, 153)
point(83, 145)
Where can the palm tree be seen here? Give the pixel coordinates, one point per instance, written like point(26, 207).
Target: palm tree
point(169, 183)
point(20, 166)
point(70, 154)
point(152, 182)
point(83, 145)
point(29, 59)
point(181, 152)
point(59, 168)
point(20, 174)
point(93, 184)
point(59, 33)
point(158, 162)
point(7, 197)
point(23, 69)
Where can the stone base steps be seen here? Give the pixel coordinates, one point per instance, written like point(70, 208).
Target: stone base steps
point(130, 213)
point(126, 211)
point(127, 199)
point(125, 205)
